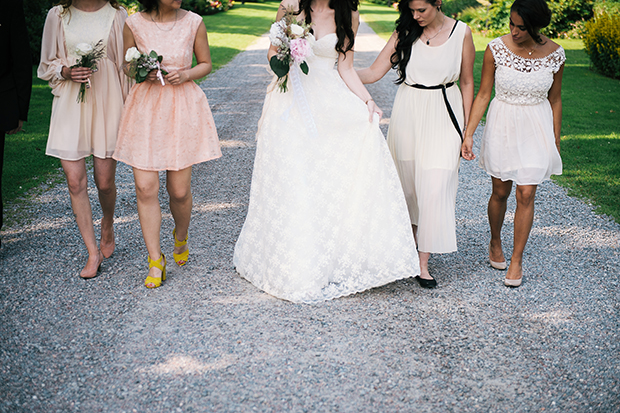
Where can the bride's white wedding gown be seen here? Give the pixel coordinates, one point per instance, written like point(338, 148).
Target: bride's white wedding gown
point(327, 216)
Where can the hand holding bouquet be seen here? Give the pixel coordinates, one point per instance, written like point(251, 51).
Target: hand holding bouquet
point(140, 65)
point(88, 58)
point(294, 42)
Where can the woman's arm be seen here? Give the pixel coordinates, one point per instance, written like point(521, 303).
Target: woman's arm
point(203, 59)
point(381, 65)
point(480, 104)
point(555, 99)
point(128, 43)
point(284, 6)
point(466, 78)
point(350, 77)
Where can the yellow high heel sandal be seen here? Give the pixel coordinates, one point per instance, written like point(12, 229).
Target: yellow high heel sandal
point(156, 282)
point(180, 259)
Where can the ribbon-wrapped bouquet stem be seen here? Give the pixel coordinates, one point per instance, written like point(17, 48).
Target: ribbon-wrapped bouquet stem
point(294, 42)
point(89, 55)
point(140, 65)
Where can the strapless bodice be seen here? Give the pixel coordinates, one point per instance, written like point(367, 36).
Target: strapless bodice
point(324, 52)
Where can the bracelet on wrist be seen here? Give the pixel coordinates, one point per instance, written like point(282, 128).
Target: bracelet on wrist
point(371, 99)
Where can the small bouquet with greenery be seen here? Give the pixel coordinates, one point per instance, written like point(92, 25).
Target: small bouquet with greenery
point(140, 65)
point(89, 55)
point(294, 42)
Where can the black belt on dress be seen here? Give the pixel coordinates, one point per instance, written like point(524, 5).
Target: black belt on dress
point(445, 99)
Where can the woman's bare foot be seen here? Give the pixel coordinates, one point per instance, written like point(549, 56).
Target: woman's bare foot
point(495, 252)
point(107, 243)
point(92, 266)
point(181, 249)
point(515, 271)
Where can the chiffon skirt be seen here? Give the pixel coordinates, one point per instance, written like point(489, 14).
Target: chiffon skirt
point(78, 130)
point(426, 150)
point(518, 143)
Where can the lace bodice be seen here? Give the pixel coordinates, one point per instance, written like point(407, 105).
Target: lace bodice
point(522, 81)
point(86, 27)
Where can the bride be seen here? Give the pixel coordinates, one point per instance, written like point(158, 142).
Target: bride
point(327, 216)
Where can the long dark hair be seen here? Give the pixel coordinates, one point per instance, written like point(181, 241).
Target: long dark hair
point(344, 25)
point(535, 15)
point(408, 30)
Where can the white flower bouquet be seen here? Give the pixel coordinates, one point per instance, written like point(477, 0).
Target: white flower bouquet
point(294, 42)
point(89, 55)
point(140, 65)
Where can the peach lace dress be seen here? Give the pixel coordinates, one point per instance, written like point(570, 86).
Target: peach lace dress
point(166, 127)
point(78, 130)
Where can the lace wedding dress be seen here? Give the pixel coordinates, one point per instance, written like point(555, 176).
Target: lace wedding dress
point(327, 216)
point(518, 143)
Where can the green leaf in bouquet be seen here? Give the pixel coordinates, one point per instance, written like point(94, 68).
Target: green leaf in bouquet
point(153, 54)
point(304, 67)
point(279, 67)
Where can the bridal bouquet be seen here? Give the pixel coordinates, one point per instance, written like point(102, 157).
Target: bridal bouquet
point(89, 55)
point(294, 42)
point(141, 64)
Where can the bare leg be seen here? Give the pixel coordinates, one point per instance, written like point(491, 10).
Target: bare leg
point(149, 212)
point(524, 217)
point(180, 191)
point(496, 211)
point(75, 171)
point(423, 256)
point(105, 172)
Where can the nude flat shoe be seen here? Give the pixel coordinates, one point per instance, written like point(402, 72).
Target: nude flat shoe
point(512, 283)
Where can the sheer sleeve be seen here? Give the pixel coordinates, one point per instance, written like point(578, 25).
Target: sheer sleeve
point(116, 48)
point(53, 51)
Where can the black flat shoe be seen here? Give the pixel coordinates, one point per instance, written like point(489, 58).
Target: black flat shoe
point(424, 283)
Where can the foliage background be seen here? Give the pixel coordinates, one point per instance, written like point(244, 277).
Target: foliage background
point(36, 12)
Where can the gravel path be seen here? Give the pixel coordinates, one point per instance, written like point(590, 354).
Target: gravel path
point(209, 341)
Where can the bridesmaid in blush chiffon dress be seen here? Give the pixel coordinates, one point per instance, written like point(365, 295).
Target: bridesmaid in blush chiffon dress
point(78, 130)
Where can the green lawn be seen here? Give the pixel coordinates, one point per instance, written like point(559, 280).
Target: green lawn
point(590, 121)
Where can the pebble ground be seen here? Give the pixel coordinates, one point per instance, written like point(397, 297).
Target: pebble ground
point(209, 341)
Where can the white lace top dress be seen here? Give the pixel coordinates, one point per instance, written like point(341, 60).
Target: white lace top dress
point(518, 143)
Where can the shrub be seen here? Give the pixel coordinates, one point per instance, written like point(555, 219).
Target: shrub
point(568, 17)
point(602, 43)
point(606, 6)
point(454, 7)
point(204, 7)
point(35, 12)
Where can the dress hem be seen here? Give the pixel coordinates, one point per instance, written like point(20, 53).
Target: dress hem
point(520, 183)
point(339, 295)
point(159, 169)
point(79, 158)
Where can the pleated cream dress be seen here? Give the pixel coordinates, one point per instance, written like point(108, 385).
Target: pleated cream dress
point(78, 130)
point(425, 144)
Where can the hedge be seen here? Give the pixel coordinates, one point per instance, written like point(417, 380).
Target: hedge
point(602, 43)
